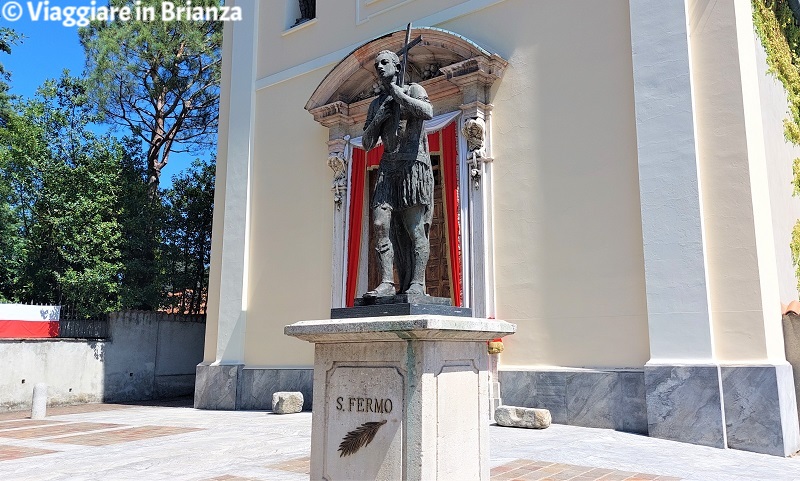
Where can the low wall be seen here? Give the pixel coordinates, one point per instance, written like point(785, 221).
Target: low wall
point(150, 355)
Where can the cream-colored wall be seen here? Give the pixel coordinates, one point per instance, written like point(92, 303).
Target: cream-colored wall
point(738, 225)
point(568, 246)
point(212, 305)
point(335, 28)
point(568, 241)
point(291, 225)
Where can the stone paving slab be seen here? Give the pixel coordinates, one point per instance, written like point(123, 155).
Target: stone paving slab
point(24, 423)
point(228, 477)
point(123, 435)
point(17, 452)
point(299, 465)
point(197, 445)
point(62, 410)
point(524, 470)
point(56, 430)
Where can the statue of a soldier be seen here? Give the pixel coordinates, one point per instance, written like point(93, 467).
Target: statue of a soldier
point(403, 202)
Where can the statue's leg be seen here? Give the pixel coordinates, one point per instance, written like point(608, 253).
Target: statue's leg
point(414, 219)
point(382, 216)
point(403, 252)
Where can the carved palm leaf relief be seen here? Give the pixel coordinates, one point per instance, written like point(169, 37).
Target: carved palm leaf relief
point(359, 438)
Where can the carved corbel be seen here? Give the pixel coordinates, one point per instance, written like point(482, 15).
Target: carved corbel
point(338, 163)
point(474, 131)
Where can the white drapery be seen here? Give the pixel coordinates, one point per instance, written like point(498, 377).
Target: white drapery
point(433, 125)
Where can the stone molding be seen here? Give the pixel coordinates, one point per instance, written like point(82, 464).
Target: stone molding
point(468, 69)
point(419, 327)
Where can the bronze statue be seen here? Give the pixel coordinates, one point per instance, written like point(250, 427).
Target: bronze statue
point(403, 202)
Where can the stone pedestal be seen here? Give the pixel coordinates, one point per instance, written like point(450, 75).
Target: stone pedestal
point(400, 397)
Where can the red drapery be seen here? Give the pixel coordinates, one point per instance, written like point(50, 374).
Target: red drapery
point(450, 191)
point(358, 180)
point(449, 169)
point(357, 174)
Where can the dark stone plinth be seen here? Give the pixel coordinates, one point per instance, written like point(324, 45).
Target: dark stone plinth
point(403, 299)
point(400, 309)
point(400, 305)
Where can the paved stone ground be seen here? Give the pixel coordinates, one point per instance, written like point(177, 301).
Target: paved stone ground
point(174, 442)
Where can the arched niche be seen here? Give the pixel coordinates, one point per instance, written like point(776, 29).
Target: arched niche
point(453, 70)
point(457, 74)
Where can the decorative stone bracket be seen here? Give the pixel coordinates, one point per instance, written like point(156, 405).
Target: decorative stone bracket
point(474, 131)
point(337, 161)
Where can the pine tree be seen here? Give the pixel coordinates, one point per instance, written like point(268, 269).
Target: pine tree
point(160, 79)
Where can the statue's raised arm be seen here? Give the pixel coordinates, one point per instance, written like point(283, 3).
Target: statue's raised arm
point(413, 99)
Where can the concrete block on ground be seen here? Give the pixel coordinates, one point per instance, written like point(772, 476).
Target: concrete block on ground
point(39, 403)
point(519, 417)
point(287, 402)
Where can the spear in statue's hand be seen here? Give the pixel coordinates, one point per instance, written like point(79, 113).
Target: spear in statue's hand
point(401, 79)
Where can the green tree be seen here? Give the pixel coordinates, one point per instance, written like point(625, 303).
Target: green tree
point(10, 247)
point(23, 148)
point(776, 25)
point(187, 235)
point(142, 274)
point(160, 79)
point(8, 38)
point(65, 184)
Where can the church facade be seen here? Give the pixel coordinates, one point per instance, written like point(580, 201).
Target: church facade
point(610, 176)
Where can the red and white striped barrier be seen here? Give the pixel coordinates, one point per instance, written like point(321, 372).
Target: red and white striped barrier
point(23, 321)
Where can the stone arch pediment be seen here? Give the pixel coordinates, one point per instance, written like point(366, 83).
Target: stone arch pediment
point(443, 62)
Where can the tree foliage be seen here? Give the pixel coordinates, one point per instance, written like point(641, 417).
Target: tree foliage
point(22, 149)
point(64, 186)
point(777, 28)
point(83, 221)
point(142, 276)
point(160, 79)
point(187, 237)
point(8, 38)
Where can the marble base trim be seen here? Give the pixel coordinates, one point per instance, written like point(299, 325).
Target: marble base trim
point(761, 409)
point(684, 403)
point(216, 386)
point(257, 385)
point(610, 399)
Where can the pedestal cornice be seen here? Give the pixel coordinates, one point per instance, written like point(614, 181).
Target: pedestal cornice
point(400, 328)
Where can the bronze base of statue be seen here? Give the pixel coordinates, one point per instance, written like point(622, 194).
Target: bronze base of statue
point(406, 298)
point(401, 305)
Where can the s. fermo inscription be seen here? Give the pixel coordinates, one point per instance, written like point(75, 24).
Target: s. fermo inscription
point(364, 404)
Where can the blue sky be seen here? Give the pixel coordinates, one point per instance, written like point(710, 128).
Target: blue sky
point(47, 49)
